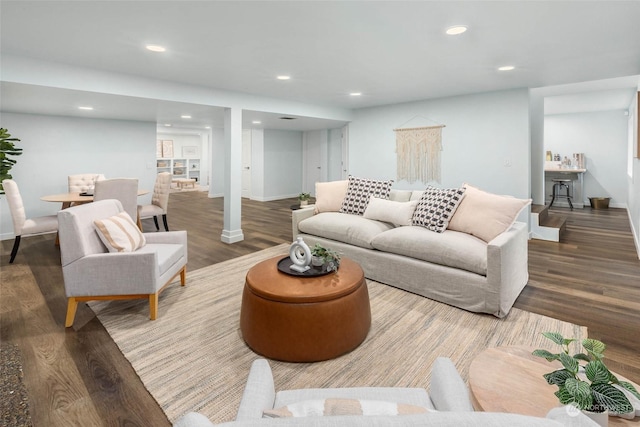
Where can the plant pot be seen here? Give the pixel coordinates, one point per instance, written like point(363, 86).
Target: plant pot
point(304, 202)
point(599, 202)
point(601, 418)
point(317, 261)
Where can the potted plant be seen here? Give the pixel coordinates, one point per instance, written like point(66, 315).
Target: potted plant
point(7, 149)
point(321, 256)
point(584, 381)
point(304, 198)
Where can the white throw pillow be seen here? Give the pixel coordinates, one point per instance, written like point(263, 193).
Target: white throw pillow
point(486, 215)
point(119, 233)
point(397, 213)
point(330, 195)
point(340, 406)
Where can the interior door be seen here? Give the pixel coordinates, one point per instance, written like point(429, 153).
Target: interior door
point(246, 163)
point(315, 159)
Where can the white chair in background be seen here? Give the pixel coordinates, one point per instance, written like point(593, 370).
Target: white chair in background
point(123, 189)
point(23, 226)
point(83, 182)
point(159, 202)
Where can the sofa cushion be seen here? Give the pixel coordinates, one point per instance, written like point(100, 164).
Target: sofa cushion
point(399, 195)
point(397, 213)
point(436, 207)
point(486, 215)
point(341, 406)
point(119, 233)
point(351, 229)
point(450, 248)
point(360, 190)
point(330, 195)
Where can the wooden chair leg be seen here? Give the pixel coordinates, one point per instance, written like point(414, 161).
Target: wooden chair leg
point(153, 306)
point(72, 306)
point(14, 251)
point(183, 276)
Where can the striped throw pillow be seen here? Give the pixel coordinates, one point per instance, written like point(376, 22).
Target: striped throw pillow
point(119, 233)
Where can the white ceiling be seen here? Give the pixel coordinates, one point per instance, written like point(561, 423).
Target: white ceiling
point(391, 51)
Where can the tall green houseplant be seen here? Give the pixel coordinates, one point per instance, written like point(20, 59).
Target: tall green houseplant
point(7, 150)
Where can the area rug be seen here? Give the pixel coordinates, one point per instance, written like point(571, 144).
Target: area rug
point(193, 358)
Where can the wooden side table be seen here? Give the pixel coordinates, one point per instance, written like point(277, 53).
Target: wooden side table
point(509, 379)
point(304, 319)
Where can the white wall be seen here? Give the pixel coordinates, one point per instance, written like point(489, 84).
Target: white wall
point(282, 164)
point(602, 137)
point(55, 147)
point(484, 133)
point(633, 194)
point(216, 164)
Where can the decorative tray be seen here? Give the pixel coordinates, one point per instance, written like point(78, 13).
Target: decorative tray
point(284, 266)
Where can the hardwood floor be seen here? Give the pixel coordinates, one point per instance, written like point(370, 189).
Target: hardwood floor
point(78, 376)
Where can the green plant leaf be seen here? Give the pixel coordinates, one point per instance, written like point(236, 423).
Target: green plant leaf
point(546, 354)
point(564, 396)
point(594, 347)
point(597, 372)
point(580, 391)
point(629, 387)
point(558, 377)
point(555, 337)
point(611, 398)
point(569, 363)
point(581, 356)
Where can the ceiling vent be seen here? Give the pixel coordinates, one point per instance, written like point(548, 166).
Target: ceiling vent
point(287, 118)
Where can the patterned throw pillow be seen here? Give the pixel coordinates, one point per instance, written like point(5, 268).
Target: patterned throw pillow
point(339, 406)
point(436, 207)
point(360, 190)
point(119, 233)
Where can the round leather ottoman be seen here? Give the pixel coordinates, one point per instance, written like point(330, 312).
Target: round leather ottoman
point(304, 319)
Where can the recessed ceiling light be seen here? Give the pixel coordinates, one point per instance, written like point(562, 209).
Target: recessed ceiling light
point(355, 93)
point(85, 108)
point(456, 30)
point(283, 77)
point(168, 125)
point(207, 127)
point(256, 122)
point(506, 68)
point(155, 48)
point(185, 116)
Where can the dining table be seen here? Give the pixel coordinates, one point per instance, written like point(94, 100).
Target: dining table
point(76, 197)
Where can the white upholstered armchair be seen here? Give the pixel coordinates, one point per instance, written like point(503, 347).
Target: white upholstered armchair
point(94, 271)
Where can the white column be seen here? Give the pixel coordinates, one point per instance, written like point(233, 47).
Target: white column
point(232, 231)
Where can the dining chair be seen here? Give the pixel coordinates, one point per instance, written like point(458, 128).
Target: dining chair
point(83, 182)
point(123, 189)
point(105, 256)
point(23, 226)
point(159, 202)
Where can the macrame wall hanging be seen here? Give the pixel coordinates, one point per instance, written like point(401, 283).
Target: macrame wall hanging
point(418, 153)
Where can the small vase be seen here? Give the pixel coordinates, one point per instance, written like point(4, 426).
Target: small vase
point(601, 418)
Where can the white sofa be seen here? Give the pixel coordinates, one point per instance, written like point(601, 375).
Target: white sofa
point(447, 403)
point(452, 267)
